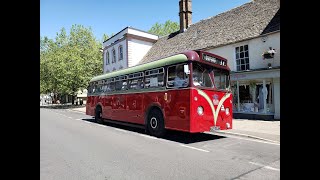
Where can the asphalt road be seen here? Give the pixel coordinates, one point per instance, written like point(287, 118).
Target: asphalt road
point(72, 146)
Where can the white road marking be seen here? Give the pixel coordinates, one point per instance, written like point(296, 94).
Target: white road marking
point(119, 130)
point(264, 166)
point(194, 148)
point(101, 125)
point(147, 136)
point(248, 139)
point(260, 141)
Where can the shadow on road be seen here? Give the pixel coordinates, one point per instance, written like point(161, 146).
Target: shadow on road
point(171, 135)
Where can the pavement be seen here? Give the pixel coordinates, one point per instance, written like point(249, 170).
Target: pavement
point(256, 129)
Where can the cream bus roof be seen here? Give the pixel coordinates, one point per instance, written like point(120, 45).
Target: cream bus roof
point(154, 64)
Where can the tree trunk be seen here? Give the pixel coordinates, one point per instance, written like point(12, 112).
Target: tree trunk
point(72, 100)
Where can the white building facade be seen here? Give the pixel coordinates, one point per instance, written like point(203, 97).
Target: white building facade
point(126, 48)
point(248, 36)
point(255, 80)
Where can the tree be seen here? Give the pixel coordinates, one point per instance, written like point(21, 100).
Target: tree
point(164, 29)
point(104, 37)
point(68, 62)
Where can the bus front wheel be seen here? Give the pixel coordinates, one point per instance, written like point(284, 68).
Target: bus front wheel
point(155, 123)
point(98, 115)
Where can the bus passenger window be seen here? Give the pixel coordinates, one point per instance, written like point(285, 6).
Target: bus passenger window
point(135, 81)
point(154, 78)
point(177, 77)
point(139, 84)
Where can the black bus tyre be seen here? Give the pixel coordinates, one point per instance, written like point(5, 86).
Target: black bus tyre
point(98, 115)
point(155, 123)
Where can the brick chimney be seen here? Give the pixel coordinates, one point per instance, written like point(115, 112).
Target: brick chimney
point(185, 14)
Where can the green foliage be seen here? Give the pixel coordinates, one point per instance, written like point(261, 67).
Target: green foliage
point(105, 37)
point(68, 62)
point(164, 29)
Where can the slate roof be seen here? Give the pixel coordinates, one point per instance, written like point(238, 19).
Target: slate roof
point(244, 22)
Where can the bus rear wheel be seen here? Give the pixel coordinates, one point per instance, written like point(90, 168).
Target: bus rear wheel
point(98, 115)
point(155, 123)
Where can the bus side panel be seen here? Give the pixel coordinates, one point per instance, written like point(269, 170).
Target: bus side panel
point(177, 109)
point(89, 106)
point(134, 112)
point(119, 107)
point(107, 109)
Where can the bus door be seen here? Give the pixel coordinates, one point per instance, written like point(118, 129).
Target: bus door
point(177, 104)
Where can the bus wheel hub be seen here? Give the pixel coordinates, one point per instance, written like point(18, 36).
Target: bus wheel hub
point(153, 122)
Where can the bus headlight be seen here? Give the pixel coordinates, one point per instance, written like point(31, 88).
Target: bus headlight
point(200, 110)
point(227, 111)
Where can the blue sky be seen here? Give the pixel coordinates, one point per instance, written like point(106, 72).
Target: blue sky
point(111, 16)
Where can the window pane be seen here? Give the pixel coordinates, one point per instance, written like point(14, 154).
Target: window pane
point(237, 55)
point(247, 60)
point(237, 50)
point(243, 67)
point(238, 68)
point(136, 83)
point(242, 55)
point(201, 75)
point(241, 48)
point(238, 61)
point(246, 47)
point(246, 54)
point(242, 61)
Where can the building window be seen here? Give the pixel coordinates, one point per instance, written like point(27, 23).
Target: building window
point(242, 58)
point(108, 58)
point(113, 56)
point(120, 53)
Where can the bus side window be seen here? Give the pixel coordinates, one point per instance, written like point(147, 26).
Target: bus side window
point(112, 85)
point(124, 85)
point(177, 77)
point(99, 86)
point(107, 85)
point(154, 78)
point(89, 88)
point(135, 81)
point(121, 83)
point(171, 76)
point(118, 85)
